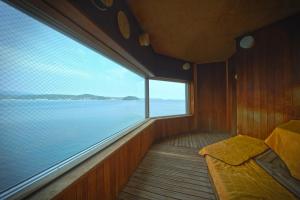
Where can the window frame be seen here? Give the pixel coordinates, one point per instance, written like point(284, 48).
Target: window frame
point(38, 181)
point(84, 37)
point(187, 96)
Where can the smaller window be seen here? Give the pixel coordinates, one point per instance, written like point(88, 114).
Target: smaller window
point(167, 98)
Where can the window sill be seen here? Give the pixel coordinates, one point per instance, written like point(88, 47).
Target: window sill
point(56, 186)
point(62, 182)
point(171, 116)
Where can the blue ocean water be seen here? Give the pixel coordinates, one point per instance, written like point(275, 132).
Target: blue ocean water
point(38, 134)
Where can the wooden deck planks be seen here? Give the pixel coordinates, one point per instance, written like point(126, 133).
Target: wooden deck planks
point(172, 169)
point(195, 140)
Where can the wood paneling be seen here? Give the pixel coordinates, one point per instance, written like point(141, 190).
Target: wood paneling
point(173, 126)
point(173, 169)
point(268, 86)
point(211, 97)
point(231, 98)
point(108, 177)
point(204, 31)
point(193, 97)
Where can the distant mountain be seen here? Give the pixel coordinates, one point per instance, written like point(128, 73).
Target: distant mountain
point(130, 98)
point(8, 92)
point(8, 95)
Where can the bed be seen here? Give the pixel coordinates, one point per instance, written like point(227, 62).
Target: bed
point(247, 168)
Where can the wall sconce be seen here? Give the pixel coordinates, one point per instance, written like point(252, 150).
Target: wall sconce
point(186, 66)
point(247, 42)
point(144, 39)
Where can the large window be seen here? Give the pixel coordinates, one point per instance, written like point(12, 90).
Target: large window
point(167, 98)
point(57, 97)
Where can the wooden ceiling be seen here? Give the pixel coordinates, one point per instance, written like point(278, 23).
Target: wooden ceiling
point(204, 31)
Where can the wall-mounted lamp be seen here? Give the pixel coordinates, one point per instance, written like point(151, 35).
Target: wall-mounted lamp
point(247, 42)
point(186, 66)
point(144, 39)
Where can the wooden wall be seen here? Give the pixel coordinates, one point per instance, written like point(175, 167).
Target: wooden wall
point(211, 97)
point(268, 85)
point(231, 105)
point(173, 126)
point(107, 178)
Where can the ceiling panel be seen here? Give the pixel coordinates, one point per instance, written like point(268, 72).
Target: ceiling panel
point(204, 31)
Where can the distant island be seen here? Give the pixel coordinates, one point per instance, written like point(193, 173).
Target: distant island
point(62, 97)
point(130, 98)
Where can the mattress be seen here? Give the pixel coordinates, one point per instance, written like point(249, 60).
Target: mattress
point(275, 167)
point(246, 181)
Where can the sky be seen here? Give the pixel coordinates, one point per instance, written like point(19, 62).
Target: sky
point(36, 59)
point(166, 90)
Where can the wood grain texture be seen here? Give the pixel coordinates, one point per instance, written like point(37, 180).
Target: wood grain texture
point(194, 140)
point(211, 97)
point(193, 96)
point(107, 178)
point(268, 87)
point(172, 169)
point(204, 31)
point(231, 85)
point(173, 126)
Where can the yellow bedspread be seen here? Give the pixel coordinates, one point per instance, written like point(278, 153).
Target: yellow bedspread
point(247, 181)
point(235, 150)
point(236, 176)
point(285, 141)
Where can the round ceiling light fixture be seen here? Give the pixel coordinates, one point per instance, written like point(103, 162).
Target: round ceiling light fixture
point(247, 42)
point(186, 66)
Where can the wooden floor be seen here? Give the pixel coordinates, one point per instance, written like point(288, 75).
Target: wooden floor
point(172, 169)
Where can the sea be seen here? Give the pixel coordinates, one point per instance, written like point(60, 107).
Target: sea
point(38, 134)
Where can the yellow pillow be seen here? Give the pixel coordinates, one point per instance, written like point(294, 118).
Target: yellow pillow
point(285, 142)
point(235, 150)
